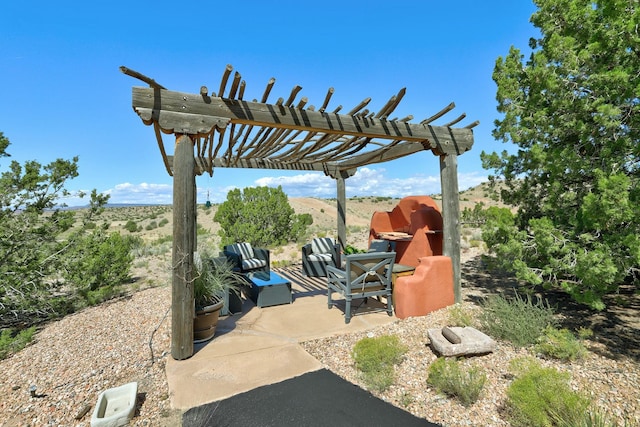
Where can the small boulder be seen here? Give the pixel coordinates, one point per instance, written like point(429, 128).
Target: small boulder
point(457, 341)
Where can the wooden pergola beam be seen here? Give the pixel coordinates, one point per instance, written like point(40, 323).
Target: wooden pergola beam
point(370, 157)
point(202, 164)
point(180, 112)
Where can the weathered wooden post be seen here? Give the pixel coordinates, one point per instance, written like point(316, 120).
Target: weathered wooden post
point(182, 308)
point(342, 209)
point(340, 176)
point(451, 216)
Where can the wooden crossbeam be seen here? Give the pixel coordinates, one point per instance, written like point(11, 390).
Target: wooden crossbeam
point(191, 113)
point(204, 165)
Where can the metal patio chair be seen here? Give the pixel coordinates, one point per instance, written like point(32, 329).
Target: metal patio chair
point(364, 275)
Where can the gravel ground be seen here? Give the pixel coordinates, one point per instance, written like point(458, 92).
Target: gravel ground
point(72, 360)
point(612, 384)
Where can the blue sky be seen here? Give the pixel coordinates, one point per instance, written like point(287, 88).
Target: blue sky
point(63, 94)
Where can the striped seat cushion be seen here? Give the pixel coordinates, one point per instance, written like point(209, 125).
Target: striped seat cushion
point(244, 249)
point(322, 245)
point(320, 257)
point(251, 263)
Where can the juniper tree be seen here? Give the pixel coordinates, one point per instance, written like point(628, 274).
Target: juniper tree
point(38, 247)
point(571, 109)
point(261, 216)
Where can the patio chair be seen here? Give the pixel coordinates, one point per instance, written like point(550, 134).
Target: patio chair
point(246, 258)
point(364, 275)
point(379, 245)
point(317, 255)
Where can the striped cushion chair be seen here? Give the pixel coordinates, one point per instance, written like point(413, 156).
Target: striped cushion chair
point(246, 258)
point(322, 251)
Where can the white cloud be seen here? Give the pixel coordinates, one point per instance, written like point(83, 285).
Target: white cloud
point(214, 194)
point(143, 193)
point(374, 182)
point(74, 199)
point(303, 185)
point(471, 179)
point(365, 182)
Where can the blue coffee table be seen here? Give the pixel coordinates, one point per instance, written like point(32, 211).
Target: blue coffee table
point(268, 288)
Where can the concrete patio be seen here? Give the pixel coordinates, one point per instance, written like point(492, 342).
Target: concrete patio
point(260, 346)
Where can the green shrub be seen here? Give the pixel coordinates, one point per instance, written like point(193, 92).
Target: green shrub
point(352, 250)
point(201, 231)
point(375, 359)
point(448, 377)
point(162, 240)
point(474, 216)
point(560, 344)
point(520, 321)
point(300, 224)
point(406, 399)
point(460, 316)
point(355, 229)
point(476, 243)
point(100, 295)
point(11, 342)
point(539, 394)
point(585, 333)
point(592, 418)
point(131, 226)
point(160, 246)
point(151, 226)
point(163, 222)
point(282, 263)
point(261, 216)
point(97, 260)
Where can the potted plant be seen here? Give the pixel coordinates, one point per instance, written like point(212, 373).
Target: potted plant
point(214, 280)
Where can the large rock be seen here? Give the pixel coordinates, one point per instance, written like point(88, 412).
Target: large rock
point(457, 341)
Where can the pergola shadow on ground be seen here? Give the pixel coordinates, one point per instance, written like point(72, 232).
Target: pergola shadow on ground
point(304, 289)
point(617, 327)
point(224, 130)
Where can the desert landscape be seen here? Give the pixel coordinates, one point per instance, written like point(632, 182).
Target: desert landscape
point(154, 226)
point(128, 339)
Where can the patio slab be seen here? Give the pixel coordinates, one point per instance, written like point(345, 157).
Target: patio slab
point(260, 346)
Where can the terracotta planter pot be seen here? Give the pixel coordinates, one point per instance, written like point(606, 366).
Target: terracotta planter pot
point(205, 322)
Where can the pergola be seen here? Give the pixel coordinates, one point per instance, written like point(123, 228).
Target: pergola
point(224, 130)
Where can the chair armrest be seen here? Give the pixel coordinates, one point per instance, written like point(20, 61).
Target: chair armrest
point(262, 253)
point(235, 258)
point(336, 272)
point(306, 250)
point(336, 255)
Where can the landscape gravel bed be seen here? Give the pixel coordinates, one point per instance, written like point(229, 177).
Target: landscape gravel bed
point(612, 384)
point(72, 360)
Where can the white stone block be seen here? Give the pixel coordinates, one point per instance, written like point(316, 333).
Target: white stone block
point(115, 406)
